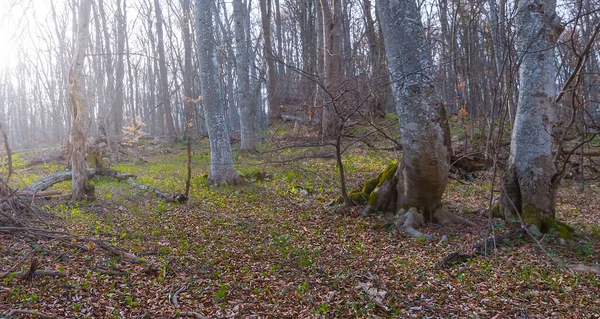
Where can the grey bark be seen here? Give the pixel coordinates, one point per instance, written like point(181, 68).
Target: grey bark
point(221, 165)
point(421, 178)
point(530, 181)
point(164, 82)
point(117, 112)
point(244, 93)
point(81, 188)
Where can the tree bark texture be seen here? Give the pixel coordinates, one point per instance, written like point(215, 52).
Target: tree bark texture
point(81, 188)
point(221, 163)
point(423, 173)
point(530, 181)
point(244, 92)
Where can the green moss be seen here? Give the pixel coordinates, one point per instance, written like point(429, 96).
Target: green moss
point(496, 210)
point(373, 198)
point(370, 185)
point(359, 197)
point(388, 173)
point(533, 216)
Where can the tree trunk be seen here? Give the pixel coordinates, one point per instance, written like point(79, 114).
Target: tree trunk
point(81, 188)
point(419, 181)
point(166, 99)
point(244, 96)
point(188, 79)
point(332, 50)
point(221, 164)
point(530, 181)
point(117, 112)
point(274, 102)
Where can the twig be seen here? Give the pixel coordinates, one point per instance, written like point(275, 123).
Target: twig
point(10, 270)
point(35, 313)
point(191, 314)
point(174, 297)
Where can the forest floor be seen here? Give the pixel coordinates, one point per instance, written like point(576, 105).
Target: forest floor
point(273, 248)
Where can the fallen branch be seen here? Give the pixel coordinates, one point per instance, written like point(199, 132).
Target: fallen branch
point(176, 293)
point(190, 314)
point(34, 313)
point(56, 178)
point(483, 248)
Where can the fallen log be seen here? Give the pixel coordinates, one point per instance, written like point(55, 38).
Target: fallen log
point(56, 178)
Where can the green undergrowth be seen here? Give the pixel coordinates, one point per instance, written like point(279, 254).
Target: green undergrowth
point(272, 246)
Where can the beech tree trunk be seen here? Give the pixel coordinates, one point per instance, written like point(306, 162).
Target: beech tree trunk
point(530, 181)
point(81, 188)
point(244, 93)
point(221, 162)
point(415, 185)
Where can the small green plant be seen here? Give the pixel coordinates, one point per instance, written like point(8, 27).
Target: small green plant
point(221, 293)
point(323, 308)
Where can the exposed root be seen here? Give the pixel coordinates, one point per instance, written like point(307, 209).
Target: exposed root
point(445, 217)
point(408, 219)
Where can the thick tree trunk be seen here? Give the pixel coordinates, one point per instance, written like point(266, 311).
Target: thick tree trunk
point(221, 164)
point(530, 181)
point(419, 181)
point(81, 188)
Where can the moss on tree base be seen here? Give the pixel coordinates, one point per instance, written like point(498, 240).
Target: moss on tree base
point(531, 215)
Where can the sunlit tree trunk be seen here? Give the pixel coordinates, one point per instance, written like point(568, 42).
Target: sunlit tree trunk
point(81, 188)
point(530, 181)
point(221, 164)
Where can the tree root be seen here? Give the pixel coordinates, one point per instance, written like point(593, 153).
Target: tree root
point(406, 220)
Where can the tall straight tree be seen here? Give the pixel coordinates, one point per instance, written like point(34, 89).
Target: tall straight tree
point(274, 101)
point(530, 181)
point(332, 62)
point(188, 78)
point(164, 76)
point(81, 188)
point(420, 179)
point(247, 109)
point(221, 161)
point(117, 112)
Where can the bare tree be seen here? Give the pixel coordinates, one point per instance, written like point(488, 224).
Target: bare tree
point(81, 188)
point(530, 181)
point(221, 164)
point(419, 181)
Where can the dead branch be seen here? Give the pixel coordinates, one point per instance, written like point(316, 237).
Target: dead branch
point(56, 178)
point(176, 293)
point(190, 314)
point(34, 313)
